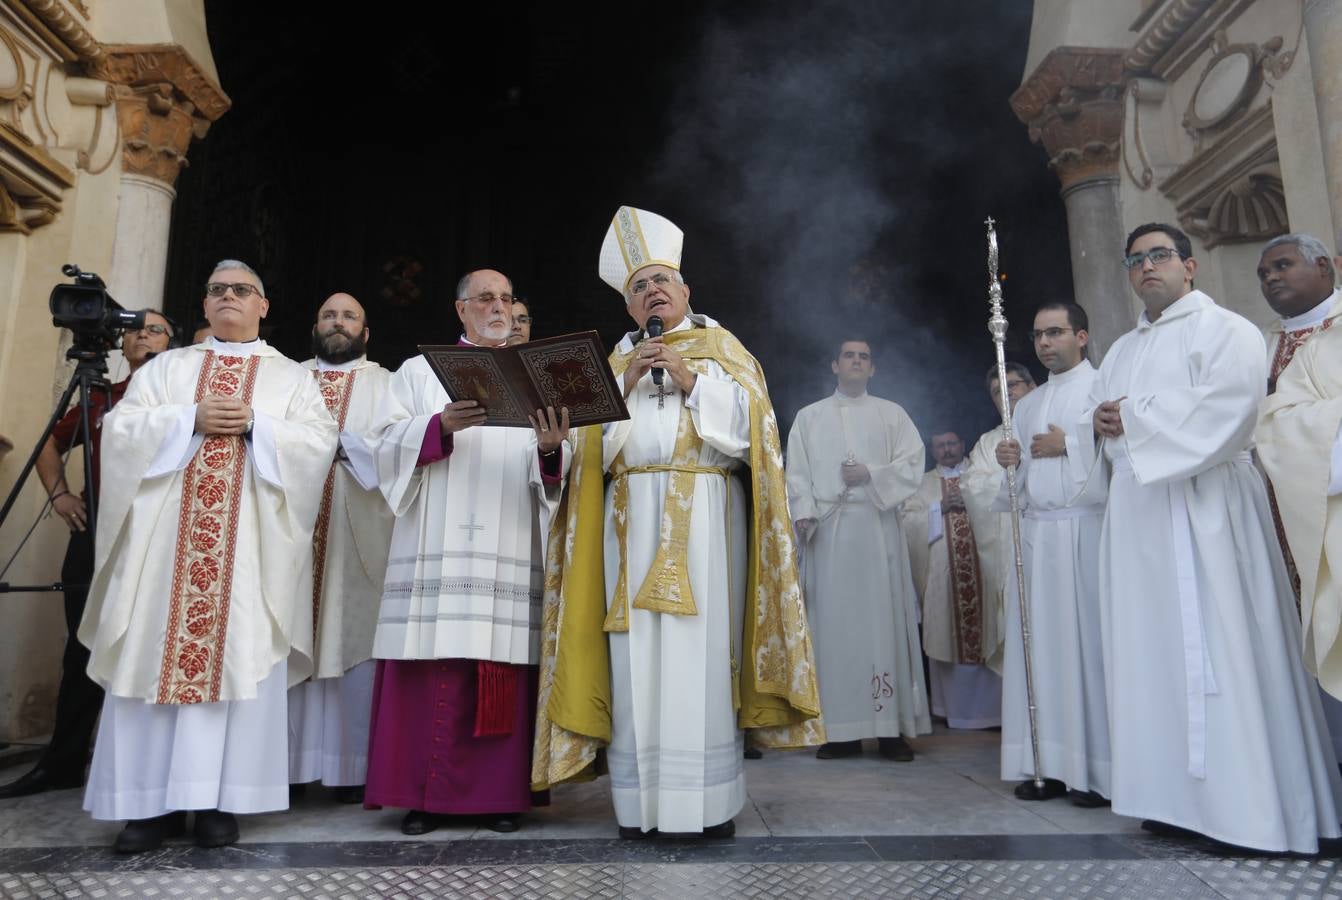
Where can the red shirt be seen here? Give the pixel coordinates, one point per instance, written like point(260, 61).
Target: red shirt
point(68, 434)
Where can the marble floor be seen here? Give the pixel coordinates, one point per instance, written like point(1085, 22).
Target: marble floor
point(943, 825)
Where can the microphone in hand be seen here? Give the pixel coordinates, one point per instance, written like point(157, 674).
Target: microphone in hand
point(654, 329)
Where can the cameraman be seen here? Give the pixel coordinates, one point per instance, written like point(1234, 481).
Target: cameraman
point(79, 700)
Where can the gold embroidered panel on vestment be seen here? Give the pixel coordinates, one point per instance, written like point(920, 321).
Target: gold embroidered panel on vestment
point(336, 388)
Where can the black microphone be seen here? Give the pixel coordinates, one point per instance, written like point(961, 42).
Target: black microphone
point(654, 329)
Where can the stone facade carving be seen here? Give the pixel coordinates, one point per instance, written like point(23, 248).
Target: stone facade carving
point(1072, 104)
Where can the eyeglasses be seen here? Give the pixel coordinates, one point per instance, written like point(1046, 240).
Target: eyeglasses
point(522, 320)
point(1051, 333)
point(641, 285)
point(154, 329)
point(1157, 255)
point(488, 299)
point(240, 289)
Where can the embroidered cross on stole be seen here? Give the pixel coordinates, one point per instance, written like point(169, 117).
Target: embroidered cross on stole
point(966, 582)
point(1287, 345)
point(202, 572)
point(336, 388)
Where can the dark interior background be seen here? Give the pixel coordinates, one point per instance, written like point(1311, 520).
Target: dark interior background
point(830, 163)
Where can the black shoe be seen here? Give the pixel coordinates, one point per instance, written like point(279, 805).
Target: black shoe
point(839, 749)
point(896, 748)
point(1028, 790)
point(753, 753)
point(417, 821)
point(297, 792)
point(215, 828)
point(39, 779)
point(1087, 799)
point(141, 835)
point(351, 793)
point(504, 824)
point(723, 830)
point(634, 833)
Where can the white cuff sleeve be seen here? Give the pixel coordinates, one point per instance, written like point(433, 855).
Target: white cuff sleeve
point(264, 454)
point(1335, 470)
point(692, 401)
point(359, 460)
point(935, 529)
point(178, 447)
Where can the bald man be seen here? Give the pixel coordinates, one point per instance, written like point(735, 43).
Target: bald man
point(328, 713)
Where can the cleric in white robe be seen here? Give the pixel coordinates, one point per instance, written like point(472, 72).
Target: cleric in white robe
point(852, 459)
point(1061, 501)
point(196, 619)
point(706, 622)
point(1214, 722)
point(458, 629)
point(328, 714)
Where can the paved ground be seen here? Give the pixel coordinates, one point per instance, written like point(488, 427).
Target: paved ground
point(943, 825)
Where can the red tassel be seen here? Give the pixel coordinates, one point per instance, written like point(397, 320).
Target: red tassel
point(495, 698)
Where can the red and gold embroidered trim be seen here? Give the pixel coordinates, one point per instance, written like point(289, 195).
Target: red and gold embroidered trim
point(1287, 345)
point(966, 585)
point(202, 573)
point(336, 391)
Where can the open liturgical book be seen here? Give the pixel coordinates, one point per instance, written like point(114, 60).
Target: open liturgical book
point(512, 382)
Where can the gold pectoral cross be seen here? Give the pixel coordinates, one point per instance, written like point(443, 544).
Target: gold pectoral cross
point(661, 395)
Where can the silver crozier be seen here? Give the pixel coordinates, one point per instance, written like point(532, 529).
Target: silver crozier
point(997, 327)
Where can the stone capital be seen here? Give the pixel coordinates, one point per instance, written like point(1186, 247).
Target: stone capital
point(164, 100)
point(1073, 106)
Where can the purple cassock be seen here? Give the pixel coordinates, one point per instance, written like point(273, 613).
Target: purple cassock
point(454, 736)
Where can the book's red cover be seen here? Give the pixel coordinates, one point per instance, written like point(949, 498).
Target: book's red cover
point(511, 382)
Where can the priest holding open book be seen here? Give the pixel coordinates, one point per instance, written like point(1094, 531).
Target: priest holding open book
point(458, 632)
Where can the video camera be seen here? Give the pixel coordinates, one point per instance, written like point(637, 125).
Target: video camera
point(88, 310)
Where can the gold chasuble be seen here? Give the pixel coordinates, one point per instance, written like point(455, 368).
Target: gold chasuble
point(966, 581)
point(774, 685)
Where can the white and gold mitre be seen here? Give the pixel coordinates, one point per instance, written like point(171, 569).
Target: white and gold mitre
point(638, 238)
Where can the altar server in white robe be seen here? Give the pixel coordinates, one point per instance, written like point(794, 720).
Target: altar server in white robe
point(700, 599)
point(1215, 724)
point(458, 630)
point(992, 528)
point(1062, 507)
point(196, 619)
point(328, 714)
point(852, 459)
point(960, 623)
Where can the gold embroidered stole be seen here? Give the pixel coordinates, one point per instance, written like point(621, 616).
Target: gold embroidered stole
point(202, 572)
point(336, 388)
point(966, 582)
point(1287, 345)
point(666, 587)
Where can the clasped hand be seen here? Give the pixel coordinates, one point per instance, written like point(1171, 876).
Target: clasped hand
point(854, 474)
point(1108, 422)
point(654, 352)
point(222, 415)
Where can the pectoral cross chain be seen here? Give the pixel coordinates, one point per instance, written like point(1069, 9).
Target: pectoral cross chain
point(661, 395)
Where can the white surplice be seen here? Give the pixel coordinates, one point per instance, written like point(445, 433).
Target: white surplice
point(1062, 508)
point(675, 753)
point(466, 564)
point(328, 718)
point(860, 598)
point(1215, 725)
point(966, 695)
point(144, 764)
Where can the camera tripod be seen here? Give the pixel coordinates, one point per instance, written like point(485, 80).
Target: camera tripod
point(90, 372)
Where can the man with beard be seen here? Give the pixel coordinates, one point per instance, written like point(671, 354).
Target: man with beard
point(1214, 724)
point(458, 632)
point(328, 714)
point(79, 699)
point(960, 627)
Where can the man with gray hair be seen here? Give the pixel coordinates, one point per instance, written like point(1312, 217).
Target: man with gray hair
point(195, 618)
point(1297, 277)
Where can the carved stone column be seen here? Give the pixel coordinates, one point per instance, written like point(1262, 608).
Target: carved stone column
point(1323, 30)
point(1073, 105)
point(163, 101)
